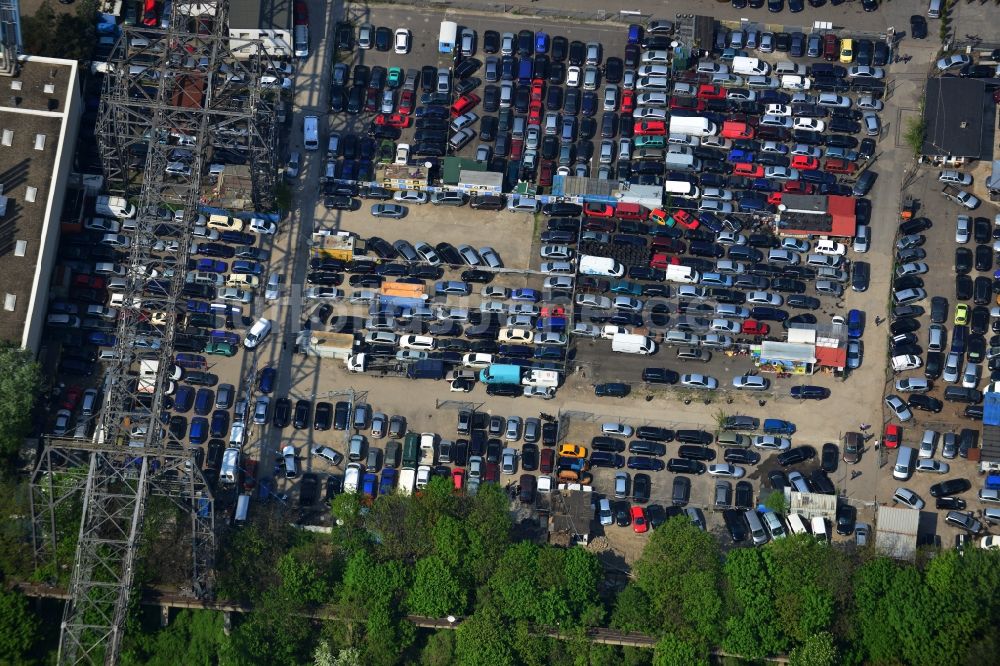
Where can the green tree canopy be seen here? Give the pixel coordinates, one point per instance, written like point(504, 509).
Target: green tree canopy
point(435, 592)
point(484, 639)
point(18, 627)
point(20, 385)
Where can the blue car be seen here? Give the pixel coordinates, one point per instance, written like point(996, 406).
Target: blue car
point(855, 324)
point(738, 155)
point(369, 485)
point(212, 266)
point(541, 42)
point(247, 267)
point(388, 482)
point(237, 238)
point(645, 463)
point(779, 427)
point(203, 401)
point(220, 423)
point(225, 336)
point(530, 295)
point(199, 430)
point(198, 307)
point(183, 399)
point(267, 378)
point(101, 339)
point(264, 488)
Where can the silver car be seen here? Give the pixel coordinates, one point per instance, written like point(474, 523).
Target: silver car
point(388, 210)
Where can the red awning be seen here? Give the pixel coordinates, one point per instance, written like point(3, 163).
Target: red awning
point(831, 357)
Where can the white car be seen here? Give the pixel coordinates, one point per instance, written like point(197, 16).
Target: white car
point(402, 41)
point(726, 326)
point(912, 268)
point(806, 150)
point(402, 154)
point(781, 173)
point(770, 120)
point(869, 103)
point(477, 360)
point(424, 342)
point(725, 469)
point(573, 76)
point(907, 498)
point(953, 62)
point(778, 110)
point(257, 333)
point(963, 228)
point(834, 100)
point(516, 335)
point(771, 443)
point(809, 124)
point(954, 177)
point(751, 383)
point(698, 381)
point(865, 72)
point(932, 466)
point(622, 429)
point(259, 225)
point(765, 298)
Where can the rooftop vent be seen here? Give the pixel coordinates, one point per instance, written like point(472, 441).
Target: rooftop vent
point(964, 124)
point(39, 142)
point(20, 248)
point(15, 84)
point(8, 137)
point(50, 88)
point(30, 193)
point(9, 301)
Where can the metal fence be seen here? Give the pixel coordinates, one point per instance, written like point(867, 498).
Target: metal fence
point(596, 16)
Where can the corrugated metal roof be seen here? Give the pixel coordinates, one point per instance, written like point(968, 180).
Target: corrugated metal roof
point(896, 532)
point(991, 409)
point(787, 351)
point(990, 444)
point(810, 505)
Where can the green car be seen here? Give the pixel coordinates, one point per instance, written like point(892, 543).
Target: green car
point(395, 77)
point(646, 141)
point(220, 347)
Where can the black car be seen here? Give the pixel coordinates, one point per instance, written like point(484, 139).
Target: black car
point(741, 456)
point(924, 403)
point(660, 376)
point(641, 487)
point(693, 452)
point(860, 275)
point(655, 433)
point(777, 479)
point(796, 455)
point(680, 492)
point(829, 457)
point(918, 27)
point(559, 48)
point(735, 524)
point(529, 457)
point(981, 230)
point(685, 466)
point(819, 482)
point(963, 260)
point(303, 412)
point(950, 503)
point(963, 287)
point(846, 517)
point(950, 487)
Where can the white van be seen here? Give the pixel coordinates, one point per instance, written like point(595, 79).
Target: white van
point(301, 41)
point(934, 9)
point(310, 132)
point(752, 66)
point(796, 524)
point(819, 528)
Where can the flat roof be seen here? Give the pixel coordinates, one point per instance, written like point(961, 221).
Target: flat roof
point(260, 14)
point(33, 109)
point(896, 532)
point(803, 203)
point(787, 351)
point(956, 113)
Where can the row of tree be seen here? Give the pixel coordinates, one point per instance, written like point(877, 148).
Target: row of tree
point(439, 554)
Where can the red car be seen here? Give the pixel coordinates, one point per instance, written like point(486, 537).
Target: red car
point(650, 128)
point(798, 187)
point(545, 171)
point(748, 170)
point(300, 13)
point(668, 245)
point(537, 91)
point(553, 311)
point(893, 434)
point(458, 477)
point(754, 327)
point(535, 113)
point(393, 120)
point(406, 102)
point(685, 219)
point(150, 17)
point(837, 165)
point(466, 102)
point(598, 210)
point(373, 100)
point(709, 91)
point(71, 397)
point(804, 162)
point(598, 224)
point(516, 148)
point(89, 281)
point(687, 103)
point(774, 198)
point(661, 261)
point(547, 460)
point(628, 100)
point(639, 525)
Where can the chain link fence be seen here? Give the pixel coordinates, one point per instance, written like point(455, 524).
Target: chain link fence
point(529, 10)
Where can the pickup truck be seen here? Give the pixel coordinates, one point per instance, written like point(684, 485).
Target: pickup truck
point(961, 197)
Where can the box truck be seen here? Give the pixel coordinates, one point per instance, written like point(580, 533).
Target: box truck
point(693, 125)
point(446, 39)
point(500, 374)
point(114, 206)
point(546, 378)
point(632, 344)
point(591, 265)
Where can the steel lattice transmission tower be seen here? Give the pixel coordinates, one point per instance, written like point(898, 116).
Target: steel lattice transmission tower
point(180, 88)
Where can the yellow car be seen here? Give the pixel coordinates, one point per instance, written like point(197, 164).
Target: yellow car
point(847, 51)
point(572, 451)
point(961, 314)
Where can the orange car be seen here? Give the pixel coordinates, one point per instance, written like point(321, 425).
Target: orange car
point(572, 451)
point(650, 128)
